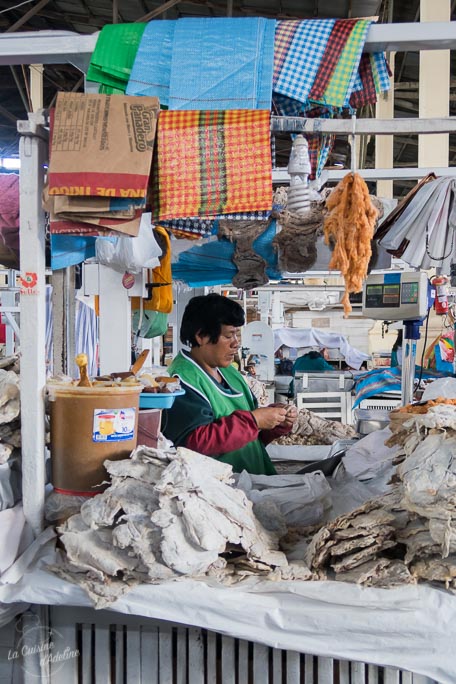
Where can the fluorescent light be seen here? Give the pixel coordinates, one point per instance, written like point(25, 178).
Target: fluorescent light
point(14, 164)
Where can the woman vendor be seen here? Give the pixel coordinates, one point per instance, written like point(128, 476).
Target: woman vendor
point(218, 415)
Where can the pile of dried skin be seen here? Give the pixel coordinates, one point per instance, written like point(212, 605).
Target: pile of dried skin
point(166, 516)
point(410, 534)
point(312, 429)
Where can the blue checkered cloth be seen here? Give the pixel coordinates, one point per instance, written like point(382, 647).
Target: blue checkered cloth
point(382, 70)
point(222, 63)
point(151, 70)
point(303, 59)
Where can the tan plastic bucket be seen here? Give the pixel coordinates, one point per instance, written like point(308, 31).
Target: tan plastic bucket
point(88, 426)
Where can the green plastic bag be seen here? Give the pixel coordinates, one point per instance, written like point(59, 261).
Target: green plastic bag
point(114, 55)
point(153, 324)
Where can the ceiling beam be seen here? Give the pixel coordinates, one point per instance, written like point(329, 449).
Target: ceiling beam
point(58, 47)
point(363, 126)
point(281, 175)
point(7, 115)
point(28, 15)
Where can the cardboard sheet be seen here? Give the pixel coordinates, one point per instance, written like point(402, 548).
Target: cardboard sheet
point(102, 145)
point(410, 627)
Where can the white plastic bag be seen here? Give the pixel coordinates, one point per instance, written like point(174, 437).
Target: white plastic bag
point(442, 387)
point(130, 253)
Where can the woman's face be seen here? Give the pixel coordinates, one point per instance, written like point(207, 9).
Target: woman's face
point(221, 353)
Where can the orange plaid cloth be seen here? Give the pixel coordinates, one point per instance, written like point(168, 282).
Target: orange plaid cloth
point(212, 162)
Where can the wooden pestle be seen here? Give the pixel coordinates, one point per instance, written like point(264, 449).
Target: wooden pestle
point(81, 362)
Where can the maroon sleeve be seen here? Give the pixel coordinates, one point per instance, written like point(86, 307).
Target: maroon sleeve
point(268, 436)
point(223, 435)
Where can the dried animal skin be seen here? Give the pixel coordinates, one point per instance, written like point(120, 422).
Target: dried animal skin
point(443, 532)
point(420, 545)
point(10, 405)
point(138, 470)
point(205, 525)
point(322, 431)
point(380, 572)
point(351, 561)
point(429, 474)
point(179, 553)
point(365, 572)
point(435, 569)
point(350, 226)
point(125, 495)
point(349, 545)
point(93, 549)
point(5, 452)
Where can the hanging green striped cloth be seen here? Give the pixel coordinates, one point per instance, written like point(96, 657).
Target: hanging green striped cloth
point(341, 84)
point(113, 57)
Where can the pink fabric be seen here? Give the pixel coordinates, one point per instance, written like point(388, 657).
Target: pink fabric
point(9, 210)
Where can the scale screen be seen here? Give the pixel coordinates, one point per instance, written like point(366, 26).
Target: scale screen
point(396, 296)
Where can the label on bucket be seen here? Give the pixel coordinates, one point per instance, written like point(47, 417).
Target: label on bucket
point(113, 425)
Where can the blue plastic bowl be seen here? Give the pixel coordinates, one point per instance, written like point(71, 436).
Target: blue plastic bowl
point(158, 400)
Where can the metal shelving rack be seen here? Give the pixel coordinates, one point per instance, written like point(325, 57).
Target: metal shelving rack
point(47, 47)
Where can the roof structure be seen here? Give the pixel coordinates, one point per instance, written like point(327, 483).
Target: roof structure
point(89, 16)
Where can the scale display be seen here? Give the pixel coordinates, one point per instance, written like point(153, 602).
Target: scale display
point(396, 296)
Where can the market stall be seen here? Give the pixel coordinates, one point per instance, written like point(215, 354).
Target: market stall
point(344, 609)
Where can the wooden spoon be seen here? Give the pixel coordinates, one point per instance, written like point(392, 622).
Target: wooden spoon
point(82, 362)
point(140, 361)
point(135, 368)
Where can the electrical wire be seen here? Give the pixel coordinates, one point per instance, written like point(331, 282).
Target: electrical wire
point(8, 9)
point(424, 347)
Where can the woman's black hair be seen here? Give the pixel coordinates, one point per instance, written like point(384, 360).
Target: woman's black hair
point(205, 315)
point(314, 355)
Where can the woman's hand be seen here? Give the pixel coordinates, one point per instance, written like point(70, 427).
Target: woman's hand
point(269, 417)
point(292, 414)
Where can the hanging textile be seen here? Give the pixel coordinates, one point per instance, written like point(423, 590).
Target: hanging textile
point(318, 63)
point(421, 230)
point(364, 91)
point(212, 163)
point(162, 294)
point(69, 250)
point(9, 220)
point(342, 81)
point(303, 58)
point(336, 43)
point(222, 63)
point(212, 262)
point(86, 333)
point(114, 55)
point(190, 228)
point(439, 355)
point(151, 71)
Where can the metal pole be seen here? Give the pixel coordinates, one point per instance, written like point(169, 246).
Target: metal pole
point(33, 154)
point(411, 335)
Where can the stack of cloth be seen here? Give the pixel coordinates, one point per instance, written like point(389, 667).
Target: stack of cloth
point(101, 155)
point(113, 57)
point(320, 62)
point(421, 229)
point(206, 63)
point(212, 163)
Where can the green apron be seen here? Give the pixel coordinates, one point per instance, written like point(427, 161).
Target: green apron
point(252, 457)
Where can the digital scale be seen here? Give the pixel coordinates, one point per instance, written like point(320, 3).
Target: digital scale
point(396, 296)
point(401, 296)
